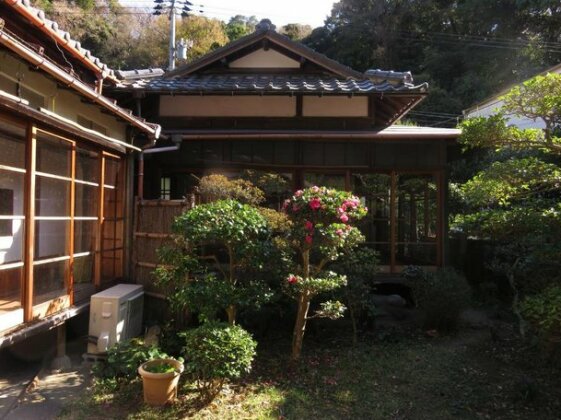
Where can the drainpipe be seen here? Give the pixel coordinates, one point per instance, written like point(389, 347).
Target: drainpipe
point(176, 139)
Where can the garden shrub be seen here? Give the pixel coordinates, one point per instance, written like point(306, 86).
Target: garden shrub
point(124, 358)
point(441, 296)
point(218, 187)
point(543, 312)
point(360, 266)
point(216, 352)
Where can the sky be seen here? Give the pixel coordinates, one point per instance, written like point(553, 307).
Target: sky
point(281, 12)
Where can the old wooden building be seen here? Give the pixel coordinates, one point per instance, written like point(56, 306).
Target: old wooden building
point(269, 104)
point(65, 174)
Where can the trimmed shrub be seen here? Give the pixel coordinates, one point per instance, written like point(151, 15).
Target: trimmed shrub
point(441, 296)
point(216, 352)
point(543, 312)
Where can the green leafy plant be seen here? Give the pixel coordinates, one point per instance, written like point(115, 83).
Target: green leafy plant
point(543, 312)
point(441, 296)
point(321, 232)
point(207, 267)
point(216, 352)
point(218, 187)
point(124, 358)
point(359, 265)
point(161, 368)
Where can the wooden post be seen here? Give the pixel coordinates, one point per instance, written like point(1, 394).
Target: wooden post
point(30, 164)
point(70, 277)
point(99, 233)
point(393, 221)
point(440, 218)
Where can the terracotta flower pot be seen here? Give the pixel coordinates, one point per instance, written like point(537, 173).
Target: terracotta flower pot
point(160, 388)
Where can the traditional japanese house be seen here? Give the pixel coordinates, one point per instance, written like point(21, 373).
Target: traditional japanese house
point(267, 103)
point(64, 174)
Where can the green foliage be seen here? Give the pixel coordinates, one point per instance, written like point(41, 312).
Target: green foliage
point(296, 31)
point(160, 368)
point(216, 352)
point(124, 358)
point(239, 26)
point(218, 187)
point(203, 282)
point(543, 311)
point(441, 296)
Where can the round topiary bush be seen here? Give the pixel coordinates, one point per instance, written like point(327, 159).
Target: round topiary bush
point(216, 352)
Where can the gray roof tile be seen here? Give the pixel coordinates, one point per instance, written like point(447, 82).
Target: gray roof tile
point(268, 83)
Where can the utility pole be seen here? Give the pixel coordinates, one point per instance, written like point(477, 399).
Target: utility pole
point(174, 7)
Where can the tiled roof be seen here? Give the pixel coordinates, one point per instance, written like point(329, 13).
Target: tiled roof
point(52, 28)
point(138, 73)
point(269, 83)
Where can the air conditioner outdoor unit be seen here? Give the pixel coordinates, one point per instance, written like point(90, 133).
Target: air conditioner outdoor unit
point(115, 315)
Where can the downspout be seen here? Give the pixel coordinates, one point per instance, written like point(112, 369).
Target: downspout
point(176, 139)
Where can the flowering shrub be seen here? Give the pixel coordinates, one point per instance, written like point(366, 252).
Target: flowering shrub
point(321, 232)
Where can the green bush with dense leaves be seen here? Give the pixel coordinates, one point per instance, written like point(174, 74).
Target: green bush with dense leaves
point(216, 352)
point(543, 312)
point(124, 358)
point(441, 296)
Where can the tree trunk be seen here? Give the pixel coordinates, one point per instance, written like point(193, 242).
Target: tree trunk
point(231, 312)
point(300, 326)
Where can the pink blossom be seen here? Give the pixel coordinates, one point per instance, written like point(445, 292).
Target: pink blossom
point(295, 208)
point(309, 225)
point(315, 203)
point(339, 232)
point(285, 204)
point(299, 193)
point(344, 218)
point(292, 279)
point(315, 189)
point(308, 239)
point(341, 210)
point(365, 208)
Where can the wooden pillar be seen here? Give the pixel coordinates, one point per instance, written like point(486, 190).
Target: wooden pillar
point(99, 232)
point(393, 221)
point(29, 203)
point(440, 230)
point(70, 277)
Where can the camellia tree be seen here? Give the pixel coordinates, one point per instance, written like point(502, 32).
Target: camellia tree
point(321, 230)
point(194, 269)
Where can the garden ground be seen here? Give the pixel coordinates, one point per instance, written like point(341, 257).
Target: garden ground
point(394, 373)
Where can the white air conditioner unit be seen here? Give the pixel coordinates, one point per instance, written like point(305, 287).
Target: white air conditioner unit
point(115, 315)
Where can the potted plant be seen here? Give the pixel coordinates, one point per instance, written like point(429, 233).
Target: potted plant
point(159, 379)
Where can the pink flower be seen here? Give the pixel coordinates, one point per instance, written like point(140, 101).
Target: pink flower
point(309, 225)
point(292, 279)
point(295, 208)
point(366, 209)
point(344, 218)
point(308, 239)
point(315, 189)
point(285, 204)
point(315, 203)
point(298, 193)
point(339, 232)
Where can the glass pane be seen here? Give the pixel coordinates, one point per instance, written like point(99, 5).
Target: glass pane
point(335, 154)
point(87, 165)
point(83, 269)
point(11, 241)
point(414, 254)
point(12, 144)
point(312, 153)
point(52, 197)
point(416, 208)
point(285, 153)
point(86, 200)
point(262, 152)
point(51, 238)
point(374, 190)
point(49, 281)
point(53, 155)
point(11, 193)
point(212, 150)
point(10, 289)
point(357, 154)
point(241, 151)
point(84, 236)
point(336, 181)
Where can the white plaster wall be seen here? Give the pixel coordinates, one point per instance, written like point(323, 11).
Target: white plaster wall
point(335, 106)
point(227, 106)
point(263, 59)
point(64, 102)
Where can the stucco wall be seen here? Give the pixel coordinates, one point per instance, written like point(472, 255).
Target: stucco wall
point(335, 106)
point(66, 103)
point(262, 59)
point(227, 106)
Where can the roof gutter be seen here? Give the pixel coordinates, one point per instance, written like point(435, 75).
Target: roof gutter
point(39, 23)
point(71, 81)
